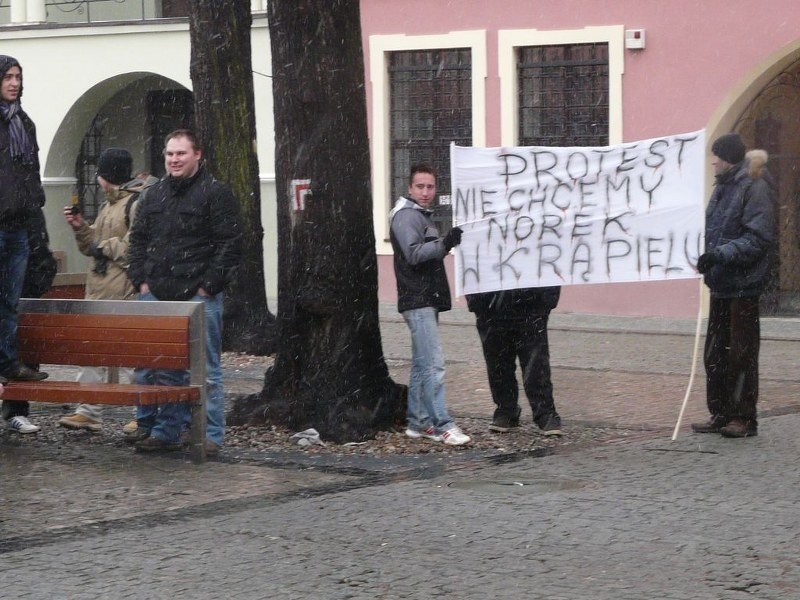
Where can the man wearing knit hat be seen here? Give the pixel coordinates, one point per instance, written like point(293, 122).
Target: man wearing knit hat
point(106, 241)
point(740, 230)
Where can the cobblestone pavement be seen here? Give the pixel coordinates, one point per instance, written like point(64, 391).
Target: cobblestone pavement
point(699, 518)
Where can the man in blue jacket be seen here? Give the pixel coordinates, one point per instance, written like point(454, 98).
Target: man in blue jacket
point(740, 230)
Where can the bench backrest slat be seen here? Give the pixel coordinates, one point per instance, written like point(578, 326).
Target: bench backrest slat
point(150, 341)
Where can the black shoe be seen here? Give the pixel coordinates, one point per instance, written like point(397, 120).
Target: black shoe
point(504, 423)
point(505, 420)
point(21, 372)
point(713, 425)
point(3, 380)
point(739, 428)
point(552, 427)
point(153, 444)
point(137, 436)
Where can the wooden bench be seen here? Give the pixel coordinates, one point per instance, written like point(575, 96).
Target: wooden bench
point(106, 333)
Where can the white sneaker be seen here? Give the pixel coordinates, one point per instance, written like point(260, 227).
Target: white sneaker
point(428, 433)
point(455, 437)
point(22, 425)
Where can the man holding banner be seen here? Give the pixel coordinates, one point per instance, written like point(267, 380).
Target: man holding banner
point(537, 218)
point(512, 325)
point(740, 230)
point(422, 293)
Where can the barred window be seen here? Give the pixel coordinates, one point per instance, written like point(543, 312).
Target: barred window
point(563, 95)
point(430, 106)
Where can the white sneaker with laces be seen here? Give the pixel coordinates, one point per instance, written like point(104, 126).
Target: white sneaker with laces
point(455, 437)
point(429, 433)
point(22, 425)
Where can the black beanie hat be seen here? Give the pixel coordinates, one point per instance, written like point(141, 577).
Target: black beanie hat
point(114, 165)
point(6, 62)
point(730, 148)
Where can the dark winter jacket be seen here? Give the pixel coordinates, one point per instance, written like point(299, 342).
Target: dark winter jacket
point(187, 235)
point(740, 230)
point(418, 258)
point(21, 193)
point(514, 304)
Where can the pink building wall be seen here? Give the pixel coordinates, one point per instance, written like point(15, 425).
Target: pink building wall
point(697, 55)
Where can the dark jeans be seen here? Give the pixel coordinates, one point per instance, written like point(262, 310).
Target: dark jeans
point(13, 259)
point(17, 408)
point(731, 358)
point(506, 340)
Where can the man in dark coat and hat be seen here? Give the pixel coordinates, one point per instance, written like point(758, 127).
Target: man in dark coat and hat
point(740, 231)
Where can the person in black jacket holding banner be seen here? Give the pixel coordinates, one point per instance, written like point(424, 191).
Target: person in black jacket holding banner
point(740, 231)
point(512, 325)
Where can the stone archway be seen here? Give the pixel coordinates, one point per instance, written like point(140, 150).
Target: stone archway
point(120, 112)
point(770, 122)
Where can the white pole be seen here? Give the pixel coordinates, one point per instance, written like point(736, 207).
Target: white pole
point(19, 11)
point(37, 13)
point(694, 366)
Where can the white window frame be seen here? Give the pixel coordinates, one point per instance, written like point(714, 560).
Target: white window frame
point(379, 48)
point(509, 40)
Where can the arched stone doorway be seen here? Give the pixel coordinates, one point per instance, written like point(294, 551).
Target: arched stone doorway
point(770, 121)
point(133, 111)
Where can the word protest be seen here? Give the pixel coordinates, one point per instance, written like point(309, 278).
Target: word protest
point(537, 216)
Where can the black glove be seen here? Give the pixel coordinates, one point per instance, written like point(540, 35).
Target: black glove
point(453, 238)
point(706, 261)
point(101, 266)
point(96, 252)
point(100, 260)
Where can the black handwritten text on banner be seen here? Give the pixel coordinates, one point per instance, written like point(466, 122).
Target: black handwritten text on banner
point(536, 216)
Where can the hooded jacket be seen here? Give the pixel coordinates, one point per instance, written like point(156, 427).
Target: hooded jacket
point(21, 192)
point(740, 230)
point(418, 258)
point(187, 235)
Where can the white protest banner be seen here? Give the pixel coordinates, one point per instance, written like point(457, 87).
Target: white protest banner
point(536, 216)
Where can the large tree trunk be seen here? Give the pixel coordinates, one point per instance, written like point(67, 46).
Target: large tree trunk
point(221, 71)
point(329, 372)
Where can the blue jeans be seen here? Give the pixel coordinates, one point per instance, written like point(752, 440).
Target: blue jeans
point(166, 422)
point(13, 260)
point(426, 389)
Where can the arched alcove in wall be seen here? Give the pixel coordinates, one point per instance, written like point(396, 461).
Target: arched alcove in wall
point(764, 109)
point(132, 111)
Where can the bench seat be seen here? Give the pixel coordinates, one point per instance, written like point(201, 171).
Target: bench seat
point(66, 392)
point(115, 334)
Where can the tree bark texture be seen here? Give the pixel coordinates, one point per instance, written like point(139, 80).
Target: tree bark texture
point(222, 77)
point(329, 372)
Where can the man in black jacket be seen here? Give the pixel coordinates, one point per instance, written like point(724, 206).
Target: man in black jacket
point(740, 230)
point(512, 325)
point(21, 199)
point(185, 244)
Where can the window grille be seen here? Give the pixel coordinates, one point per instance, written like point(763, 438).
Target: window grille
point(563, 95)
point(89, 193)
point(167, 110)
point(430, 106)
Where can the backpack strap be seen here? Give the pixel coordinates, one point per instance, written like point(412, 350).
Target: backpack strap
point(128, 206)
